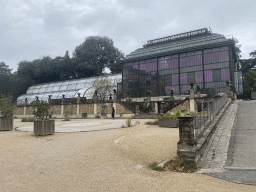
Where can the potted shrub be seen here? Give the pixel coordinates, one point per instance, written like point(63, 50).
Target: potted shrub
point(170, 119)
point(7, 110)
point(42, 126)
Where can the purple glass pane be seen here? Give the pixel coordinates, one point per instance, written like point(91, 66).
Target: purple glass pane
point(199, 76)
point(181, 61)
point(184, 88)
point(226, 56)
point(175, 79)
point(225, 74)
point(183, 78)
point(208, 75)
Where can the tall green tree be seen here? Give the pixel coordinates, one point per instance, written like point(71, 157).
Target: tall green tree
point(94, 54)
point(249, 82)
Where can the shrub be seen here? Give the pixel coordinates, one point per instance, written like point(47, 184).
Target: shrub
point(175, 115)
point(152, 122)
point(67, 114)
point(27, 119)
point(181, 165)
point(41, 109)
point(129, 122)
point(97, 116)
point(6, 106)
point(155, 166)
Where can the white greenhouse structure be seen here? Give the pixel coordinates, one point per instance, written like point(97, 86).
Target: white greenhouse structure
point(69, 88)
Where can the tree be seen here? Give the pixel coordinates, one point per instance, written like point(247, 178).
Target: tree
point(103, 87)
point(249, 82)
point(4, 69)
point(94, 54)
point(5, 79)
point(6, 106)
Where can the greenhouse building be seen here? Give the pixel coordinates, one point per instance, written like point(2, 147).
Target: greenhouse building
point(69, 89)
point(197, 57)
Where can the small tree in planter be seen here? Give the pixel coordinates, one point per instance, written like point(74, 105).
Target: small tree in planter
point(7, 110)
point(42, 126)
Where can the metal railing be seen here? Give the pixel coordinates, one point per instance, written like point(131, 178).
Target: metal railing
point(203, 119)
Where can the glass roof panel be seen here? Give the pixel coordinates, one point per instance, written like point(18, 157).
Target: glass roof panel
point(56, 87)
point(64, 86)
point(42, 88)
point(49, 87)
point(70, 94)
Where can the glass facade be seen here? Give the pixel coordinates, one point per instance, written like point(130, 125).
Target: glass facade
point(68, 88)
point(209, 68)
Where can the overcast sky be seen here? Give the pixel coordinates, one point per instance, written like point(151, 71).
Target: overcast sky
point(30, 29)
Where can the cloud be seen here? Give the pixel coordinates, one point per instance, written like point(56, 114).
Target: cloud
point(31, 29)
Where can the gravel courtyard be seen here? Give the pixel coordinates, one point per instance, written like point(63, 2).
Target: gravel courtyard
point(106, 160)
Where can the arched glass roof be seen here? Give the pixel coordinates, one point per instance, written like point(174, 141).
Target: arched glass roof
point(69, 88)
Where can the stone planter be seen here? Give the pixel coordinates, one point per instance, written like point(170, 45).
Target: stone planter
point(170, 123)
point(44, 127)
point(187, 144)
point(6, 124)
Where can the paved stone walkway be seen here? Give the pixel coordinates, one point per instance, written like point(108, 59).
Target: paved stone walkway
point(238, 163)
point(215, 155)
point(81, 125)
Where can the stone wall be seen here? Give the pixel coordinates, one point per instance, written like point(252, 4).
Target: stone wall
point(183, 106)
point(88, 108)
point(55, 110)
point(122, 110)
point(19, 111)
point(71, 109)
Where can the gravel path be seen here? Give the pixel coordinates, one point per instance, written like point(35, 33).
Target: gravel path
point(109, 160)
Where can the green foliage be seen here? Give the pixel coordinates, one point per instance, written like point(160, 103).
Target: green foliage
point(41, 109)
point(128, 122)
point(175, 115)
point(28, 119)
point(182, 165)
point(97, 116)
point(67, 114)
point(94, 54)
point(249, 82)
point(155, 122)
point(155, 166)
point(6, 106)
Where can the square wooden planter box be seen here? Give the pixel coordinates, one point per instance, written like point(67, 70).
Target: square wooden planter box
point(44, 127)
point(6, 124)
point(170, 123)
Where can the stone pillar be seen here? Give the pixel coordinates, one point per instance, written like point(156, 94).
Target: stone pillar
point(148, 97)
point(187, 143)
point(49, 98)
point(172, 94)
point(192, 98)
point(162, 107)
point(94, 108)
point(62, 104)
point(25, 107)
point(77, 105)
point(156, 108)
point(198, 93)
point(228, 90)
point(78, 99)
point(137, 109)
